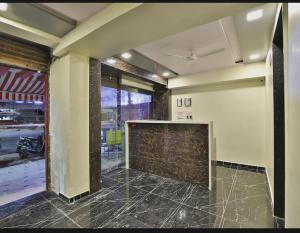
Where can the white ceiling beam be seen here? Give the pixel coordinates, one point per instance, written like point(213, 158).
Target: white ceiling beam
point(211, 77)
point(87, 27)
point(123, 26)
point(28, 33)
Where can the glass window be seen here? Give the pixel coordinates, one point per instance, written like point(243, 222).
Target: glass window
point(22, 144)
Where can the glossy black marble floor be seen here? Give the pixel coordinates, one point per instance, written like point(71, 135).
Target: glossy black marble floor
point(133, 199)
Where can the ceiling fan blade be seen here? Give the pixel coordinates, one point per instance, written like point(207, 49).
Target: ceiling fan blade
point(211, 53)
point(174, 55)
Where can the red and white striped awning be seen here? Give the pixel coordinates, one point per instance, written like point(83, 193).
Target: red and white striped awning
point(21, 85)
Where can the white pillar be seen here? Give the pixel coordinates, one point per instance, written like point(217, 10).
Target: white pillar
point(69, 125)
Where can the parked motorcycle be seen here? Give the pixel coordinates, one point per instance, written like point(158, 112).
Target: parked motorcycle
point(30, 146)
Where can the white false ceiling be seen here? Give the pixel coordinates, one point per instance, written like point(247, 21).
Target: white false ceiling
point(255, 36)
point(237, 37)
point(77, 11)
point(209, 42)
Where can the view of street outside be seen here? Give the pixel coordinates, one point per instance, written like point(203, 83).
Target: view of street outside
point(9, 138)
point(22, 159)
point(133, 106)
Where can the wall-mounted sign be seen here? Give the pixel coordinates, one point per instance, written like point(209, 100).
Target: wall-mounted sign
point(187, 102)
point(179, 102)
point(180, 115)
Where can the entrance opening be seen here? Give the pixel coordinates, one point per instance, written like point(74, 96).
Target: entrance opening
point(119, 102)
point(22, 133)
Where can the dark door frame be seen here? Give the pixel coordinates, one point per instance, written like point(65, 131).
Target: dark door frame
point(279, 120)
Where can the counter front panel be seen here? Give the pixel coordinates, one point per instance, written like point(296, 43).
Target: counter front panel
point(177, 151)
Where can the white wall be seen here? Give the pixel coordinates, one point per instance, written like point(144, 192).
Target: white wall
point(237, 110)
point(234, 73)
point(291, 26)
point(69, 125)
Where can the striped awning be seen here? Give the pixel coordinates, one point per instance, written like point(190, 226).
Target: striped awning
point(21, 85)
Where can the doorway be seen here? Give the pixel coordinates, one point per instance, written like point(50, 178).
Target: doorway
point(119, 103)
point(23, 132)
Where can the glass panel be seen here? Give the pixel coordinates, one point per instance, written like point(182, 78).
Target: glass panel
point(134, 106)
point(111, 149)
point(22, 159)
point(117, 106)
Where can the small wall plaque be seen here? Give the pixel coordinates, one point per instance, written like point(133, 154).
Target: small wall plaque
point(179, 102)
point(188, 102)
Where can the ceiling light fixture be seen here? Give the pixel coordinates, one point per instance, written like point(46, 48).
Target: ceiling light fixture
point(253, 15)
point(3, 6)
point(166, 74)
point(126, 55)
point(154, 76)
point(254, 56)
point(111, 61)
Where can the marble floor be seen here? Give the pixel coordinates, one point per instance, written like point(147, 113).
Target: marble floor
point(133, 199)
point(109, 164)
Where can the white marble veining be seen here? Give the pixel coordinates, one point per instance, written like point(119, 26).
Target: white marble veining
point(210, 137)
point(133, 199)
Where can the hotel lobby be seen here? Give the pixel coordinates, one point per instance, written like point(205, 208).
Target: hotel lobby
point(149, 115)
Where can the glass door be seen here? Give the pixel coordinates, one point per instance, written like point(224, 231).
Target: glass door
point(111, 141)
point(119, 103)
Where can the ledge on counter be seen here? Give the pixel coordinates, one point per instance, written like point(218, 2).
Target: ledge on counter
point(167, 122)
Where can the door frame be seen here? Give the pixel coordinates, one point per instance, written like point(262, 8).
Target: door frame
point(46, 123)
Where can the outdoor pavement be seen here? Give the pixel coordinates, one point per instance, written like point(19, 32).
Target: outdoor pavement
point(22, 180)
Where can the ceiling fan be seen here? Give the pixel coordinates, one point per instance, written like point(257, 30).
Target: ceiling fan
point(193, 56)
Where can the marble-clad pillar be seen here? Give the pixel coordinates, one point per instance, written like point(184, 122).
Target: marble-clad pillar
point(161, 108)
point(94, 124)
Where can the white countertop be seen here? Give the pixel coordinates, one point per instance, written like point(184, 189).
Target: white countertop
point(166, 122)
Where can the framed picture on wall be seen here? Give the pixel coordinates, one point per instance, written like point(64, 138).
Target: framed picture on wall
point(188, 102)
point(179, 102)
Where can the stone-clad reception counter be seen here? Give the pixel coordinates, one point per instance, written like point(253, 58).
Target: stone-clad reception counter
point(173, 149)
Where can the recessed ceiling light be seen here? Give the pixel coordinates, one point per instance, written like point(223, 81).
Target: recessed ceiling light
point(154, 76)
point(166, 74)
point(111, 61)
point(3, 6)
point(126, 55)
point(254, 56)
point(253, 15)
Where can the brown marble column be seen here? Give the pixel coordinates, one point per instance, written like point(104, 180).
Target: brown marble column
point(161, 105)
point(95, 124)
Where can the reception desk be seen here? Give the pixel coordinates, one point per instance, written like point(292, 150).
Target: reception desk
point(175, 149)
